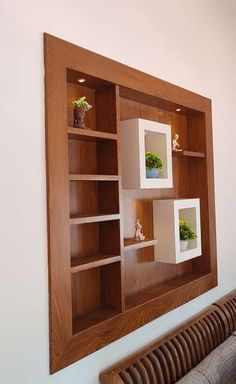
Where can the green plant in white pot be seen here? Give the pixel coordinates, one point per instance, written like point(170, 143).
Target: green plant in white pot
point(153, 164)
point(185, 233)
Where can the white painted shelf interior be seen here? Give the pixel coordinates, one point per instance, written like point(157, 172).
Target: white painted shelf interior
point(139, 136)
point(166, 216)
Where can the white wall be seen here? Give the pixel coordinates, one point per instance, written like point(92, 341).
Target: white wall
point(190, 43)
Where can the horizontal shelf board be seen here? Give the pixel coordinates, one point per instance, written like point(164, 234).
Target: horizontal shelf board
point(131, 244)
point(89, 134)
point(79, 177)
point(152, 293)
point(85, 263)
point(188, 154)
point(92, 318)
point(85, 219)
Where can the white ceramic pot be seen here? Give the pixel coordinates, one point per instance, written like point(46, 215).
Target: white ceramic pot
point(183, 245)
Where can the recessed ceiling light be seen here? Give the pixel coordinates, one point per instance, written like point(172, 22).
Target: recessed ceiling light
point(81, 80)
point(178, 109)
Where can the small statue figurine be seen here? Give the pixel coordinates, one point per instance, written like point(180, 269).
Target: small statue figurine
point(139, 236)
point(176, 146)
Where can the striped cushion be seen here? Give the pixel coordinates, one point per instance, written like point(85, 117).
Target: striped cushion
point(219, 367)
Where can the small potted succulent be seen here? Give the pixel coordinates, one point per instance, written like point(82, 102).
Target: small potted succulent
point(185, 233)
point(153, 164)
point(80, 107)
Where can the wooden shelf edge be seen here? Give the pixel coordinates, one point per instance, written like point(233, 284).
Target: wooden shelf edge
point(188, 154)
point(131, 244)
point(93, 218)
point(90, 134)
point(79, 177)
point(94, 262)
point(152, 293)
point(92, 318)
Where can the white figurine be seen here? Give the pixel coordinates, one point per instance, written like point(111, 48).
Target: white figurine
point(176, 146)
point(139, 236)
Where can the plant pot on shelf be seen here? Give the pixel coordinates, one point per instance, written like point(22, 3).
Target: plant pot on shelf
point(183, 245)
point(152, 173)
point(79, 115)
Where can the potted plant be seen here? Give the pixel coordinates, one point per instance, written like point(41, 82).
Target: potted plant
point(80, 107)
point(185, 233)
point(153, 164)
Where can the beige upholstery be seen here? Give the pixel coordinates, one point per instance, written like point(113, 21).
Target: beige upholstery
point(219, 367)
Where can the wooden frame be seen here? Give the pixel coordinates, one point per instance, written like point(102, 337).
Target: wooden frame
point(116, 91)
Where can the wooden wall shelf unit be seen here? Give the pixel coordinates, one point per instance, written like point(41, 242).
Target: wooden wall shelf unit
point(103, 285)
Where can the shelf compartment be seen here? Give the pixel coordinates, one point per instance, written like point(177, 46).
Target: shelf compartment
point(161, 289)
point(96, 295)
point(166, 216)
point(93, 157)
point(92, 318)
point(93, 219)
point(102, 116)
point(131, 244)
point(93, 197)
point(89, 134)
point(93, 240)
point(79, 177)
point(188, 154)
point(89, 262)
point(145, 136)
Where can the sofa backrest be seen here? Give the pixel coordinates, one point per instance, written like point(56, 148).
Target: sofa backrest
point(170, 358)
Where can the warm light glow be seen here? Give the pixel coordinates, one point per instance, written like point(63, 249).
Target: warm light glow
point(178, 109)
point(81, 80)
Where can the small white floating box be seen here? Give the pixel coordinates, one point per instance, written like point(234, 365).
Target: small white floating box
point(139, 136)
point(166, 216)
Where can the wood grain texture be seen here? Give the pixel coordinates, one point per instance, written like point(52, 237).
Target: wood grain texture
point(88, 134)
point(169, 358)
point(90, 262)
point(100, 302)
point(128, 321)
point(188, 153)
point(130, 243)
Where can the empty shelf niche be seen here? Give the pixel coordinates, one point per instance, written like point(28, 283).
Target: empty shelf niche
point(166, 216)
point(139, 136)
point(92, 198)
point(96, 295)
point(94, 241)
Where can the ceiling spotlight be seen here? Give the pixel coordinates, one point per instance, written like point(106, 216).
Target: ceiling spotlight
point(178, 109)
point(81, 80)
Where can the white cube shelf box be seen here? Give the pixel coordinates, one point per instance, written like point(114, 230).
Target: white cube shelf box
point(166, 216)
point(139, 136)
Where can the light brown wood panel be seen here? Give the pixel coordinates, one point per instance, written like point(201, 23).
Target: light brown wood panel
point(141, 271)
point(86, 291)
point(107, 157)
point(96, 293)
point(84, 240)
point(92, 197)
point(82, 157)
point(111, 286)
point(106, 109)
point(83, 198)
point(109, 237)
point(92, 157)
point(108, 197)
point(88, 134)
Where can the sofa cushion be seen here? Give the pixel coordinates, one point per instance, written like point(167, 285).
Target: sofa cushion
point(219, 367)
